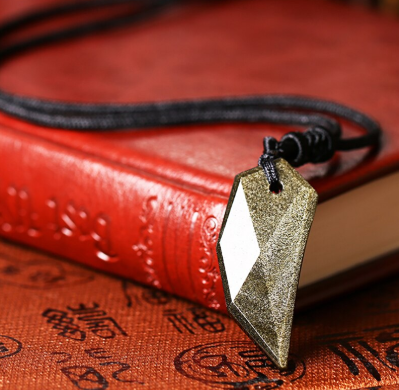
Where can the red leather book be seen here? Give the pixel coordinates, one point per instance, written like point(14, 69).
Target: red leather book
point(148, 205)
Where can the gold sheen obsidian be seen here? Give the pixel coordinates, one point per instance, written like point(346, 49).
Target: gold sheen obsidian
point(260, 250)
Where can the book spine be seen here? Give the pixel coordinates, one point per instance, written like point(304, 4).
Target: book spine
point(111, 217)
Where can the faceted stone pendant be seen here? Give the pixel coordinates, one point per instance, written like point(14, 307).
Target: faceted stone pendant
point(260, 250)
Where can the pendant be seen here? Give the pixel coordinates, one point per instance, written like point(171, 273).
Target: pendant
point(260, 250)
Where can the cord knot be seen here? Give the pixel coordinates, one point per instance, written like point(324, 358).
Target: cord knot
point(315, 145)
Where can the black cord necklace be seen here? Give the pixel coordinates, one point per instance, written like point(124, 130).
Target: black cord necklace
point(317, 144)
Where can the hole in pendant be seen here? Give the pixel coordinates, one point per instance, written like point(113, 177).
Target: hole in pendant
point(276, 187)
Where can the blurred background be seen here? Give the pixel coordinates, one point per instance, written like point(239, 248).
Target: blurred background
point(387, 6)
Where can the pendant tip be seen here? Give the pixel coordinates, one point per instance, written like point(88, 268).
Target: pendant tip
point(278, 357)
point(281, 363)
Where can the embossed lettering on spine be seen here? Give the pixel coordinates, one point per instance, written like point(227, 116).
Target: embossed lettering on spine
point(260, 251)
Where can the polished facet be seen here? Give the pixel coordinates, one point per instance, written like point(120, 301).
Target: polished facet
point(260, 250)
point(239, 244)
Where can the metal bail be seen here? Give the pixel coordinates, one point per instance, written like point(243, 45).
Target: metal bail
point(260, 251)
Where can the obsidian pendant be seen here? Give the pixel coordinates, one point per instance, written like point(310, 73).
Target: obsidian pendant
point(260, 250)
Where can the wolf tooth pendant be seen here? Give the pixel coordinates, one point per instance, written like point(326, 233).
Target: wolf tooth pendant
point(260, 250)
